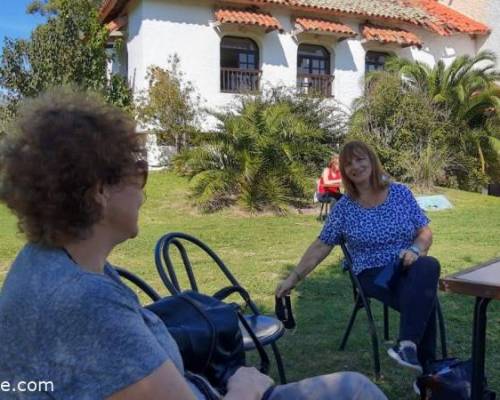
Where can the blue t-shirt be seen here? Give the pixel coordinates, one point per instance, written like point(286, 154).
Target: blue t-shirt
point(375, 236)
point(84, 332)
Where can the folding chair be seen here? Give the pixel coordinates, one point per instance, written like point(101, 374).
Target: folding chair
point(267, 329)
point(361, 301)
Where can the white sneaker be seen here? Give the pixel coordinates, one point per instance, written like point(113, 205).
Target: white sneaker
point(416, 389)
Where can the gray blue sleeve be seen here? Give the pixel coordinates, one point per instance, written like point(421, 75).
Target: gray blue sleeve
point(102, 339)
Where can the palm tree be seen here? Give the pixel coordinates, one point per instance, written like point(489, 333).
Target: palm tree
point(257, 156)
point(466, 88)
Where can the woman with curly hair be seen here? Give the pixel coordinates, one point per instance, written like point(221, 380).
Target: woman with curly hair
point(73, 173)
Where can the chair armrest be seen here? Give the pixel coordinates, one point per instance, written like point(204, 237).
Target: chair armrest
point(229, 290)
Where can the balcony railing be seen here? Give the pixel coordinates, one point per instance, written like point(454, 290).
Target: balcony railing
point(235, 80)
point(315, 84)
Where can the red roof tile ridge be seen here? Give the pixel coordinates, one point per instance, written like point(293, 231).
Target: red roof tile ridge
point(247, 17)
point(320, 24)
point(390, 35)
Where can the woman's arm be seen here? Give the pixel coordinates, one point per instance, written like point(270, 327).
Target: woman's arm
point(327, 181)
point(420, 247)
point(423, 240)
point(166, 383)
point(313, 256)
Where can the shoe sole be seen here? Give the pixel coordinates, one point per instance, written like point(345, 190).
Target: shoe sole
point(415, 388)
point(403, 363)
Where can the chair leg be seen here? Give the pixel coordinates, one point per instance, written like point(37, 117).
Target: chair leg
point(279, 363)
point(442, 330)
point(374, 336)
point(357, 306)
point(386, 322)
point(320, 216)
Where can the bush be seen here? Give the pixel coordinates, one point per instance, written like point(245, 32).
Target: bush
point(169, 106)
point(262, 153)
point(417, 141)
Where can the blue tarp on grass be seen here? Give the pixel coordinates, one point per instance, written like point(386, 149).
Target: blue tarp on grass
point(433, 203)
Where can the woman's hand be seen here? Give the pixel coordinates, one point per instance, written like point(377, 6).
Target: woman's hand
point(247, 383)
point(285, 286)
point(407, 257)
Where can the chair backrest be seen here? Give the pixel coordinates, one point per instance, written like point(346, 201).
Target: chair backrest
point(139, 282)
point(167, 270)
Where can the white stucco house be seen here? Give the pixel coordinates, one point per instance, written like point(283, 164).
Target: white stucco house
point(321, 46)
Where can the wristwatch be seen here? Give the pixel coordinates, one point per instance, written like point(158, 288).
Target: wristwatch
point(415, 249)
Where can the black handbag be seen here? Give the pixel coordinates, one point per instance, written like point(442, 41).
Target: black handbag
point(448, 379)
point(208, 334)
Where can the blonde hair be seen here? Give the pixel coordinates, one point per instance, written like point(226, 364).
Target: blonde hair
point(378, 178)
point(334, 157)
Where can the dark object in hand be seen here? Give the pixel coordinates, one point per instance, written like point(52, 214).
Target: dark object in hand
point(283, 310)
point(389, 275)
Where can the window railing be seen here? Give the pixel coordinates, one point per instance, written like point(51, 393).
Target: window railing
point(235, 80)
point(315, 84)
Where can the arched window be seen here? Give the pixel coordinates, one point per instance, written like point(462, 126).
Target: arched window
point(375, 61)
point(313, 70)
point(239, 65)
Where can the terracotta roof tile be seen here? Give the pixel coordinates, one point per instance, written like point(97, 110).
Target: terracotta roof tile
point(322, 25)
point(451, 21)
point(390, 35)
point(427, 13)
point(393, 9)
point(116, 24)
point(247, 17)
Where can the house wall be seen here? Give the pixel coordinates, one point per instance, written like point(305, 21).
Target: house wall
point(487, 12)
point(159, 28)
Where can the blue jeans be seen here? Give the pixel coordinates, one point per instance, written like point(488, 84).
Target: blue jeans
point(337, 386)
point(414, 296)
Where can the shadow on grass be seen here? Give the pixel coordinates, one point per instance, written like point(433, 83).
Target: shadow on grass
point(322, 306)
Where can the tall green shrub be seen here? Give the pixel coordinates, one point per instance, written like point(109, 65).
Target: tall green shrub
point(261, 155)
point(68, 49)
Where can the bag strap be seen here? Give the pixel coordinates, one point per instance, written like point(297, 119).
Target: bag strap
point(225, 292)
point(213, 330)
point(264, 359)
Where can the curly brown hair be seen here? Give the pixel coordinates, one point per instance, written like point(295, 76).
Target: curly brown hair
point(63, 145)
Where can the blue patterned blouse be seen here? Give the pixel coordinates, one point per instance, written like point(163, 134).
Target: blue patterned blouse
point(376, 235)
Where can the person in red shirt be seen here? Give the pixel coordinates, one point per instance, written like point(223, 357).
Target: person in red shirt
point(330, 181)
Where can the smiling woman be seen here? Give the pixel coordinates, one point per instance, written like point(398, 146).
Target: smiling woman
point(382, 225)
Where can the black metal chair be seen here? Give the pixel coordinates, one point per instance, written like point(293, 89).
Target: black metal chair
point(361, 301)
point(267, 329)
point(324, 209)
point(139, 282)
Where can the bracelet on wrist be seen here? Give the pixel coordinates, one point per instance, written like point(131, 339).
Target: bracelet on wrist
point(415, 250)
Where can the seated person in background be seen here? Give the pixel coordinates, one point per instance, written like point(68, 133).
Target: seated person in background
point(73, 173)
point(382, 225)
point(328, 187)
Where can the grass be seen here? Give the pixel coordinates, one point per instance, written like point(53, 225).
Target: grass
point(261, 249)
point(496, 144)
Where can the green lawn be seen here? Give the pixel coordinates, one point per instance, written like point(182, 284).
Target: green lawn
point(496, 144)
point(260, 250)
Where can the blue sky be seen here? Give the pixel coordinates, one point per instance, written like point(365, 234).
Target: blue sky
point(14, 22)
